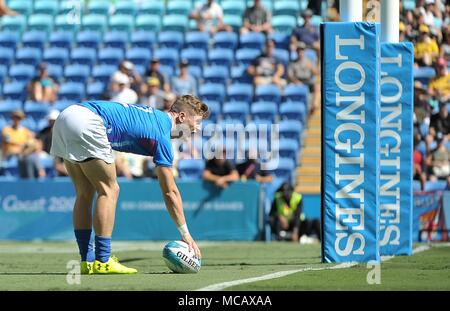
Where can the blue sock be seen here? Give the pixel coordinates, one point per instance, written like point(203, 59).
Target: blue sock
point(102, 248)
point(85, 244)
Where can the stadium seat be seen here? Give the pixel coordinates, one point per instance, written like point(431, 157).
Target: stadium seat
point(175, 23)
point(100, 7)
point(56, 56)
point(167, 57)
point(143, 39)
point(167, 70)
point(288, 148)
point(214, 111)
point(286, 8)
point(214, 92)
point(216, 74)
point(121, 23)
point(48, 7)
point(115, 39)
point(281, 39)
point(152, 7)
point(34, 39)
point(424, 74)
point(103, 73)
point(15, 24)
point(225, 40)
point(417, 186)
point(264, 111)
point(71, 91)
point(195, 71)
point(110, 56)
point(67, 23)
point(438, 185)
point(28, 56)
point(171, 40)
point(8, 106)
point(15, 90)
point(284, 23)
point(9, 39)
point(126, 8)
point(3, 73)
point(239, 75)
point(89, 39)
point(269, 93)
point(63, 104)
point(240, 92)
point(316, 20)
point(235, 21)
point(190, 169)
point(179, 7)
point(233, 7)
point(252, 40)
point(148, 23)
point(96, 90)
point(21, 72)
point(293, 111)
point(61, 39)
point(282, 56)
point(55, 71)
point(83, 56)
point(6, 56)
point(94, 22)
point(285, 168)
point(197, 39)
point(139, 56)
point(236, 110)
point(36, 110)
point(10, 166)
point(246, 56)
point(40, 22)
point(296, 93)
point(77, 73)
point(20, 6)
point(195, 57)
point(290, 129)
point(221, 57)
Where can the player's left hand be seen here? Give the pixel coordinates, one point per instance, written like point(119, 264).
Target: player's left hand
point(192, 245)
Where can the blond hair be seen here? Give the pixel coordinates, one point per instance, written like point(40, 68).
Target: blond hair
point(190, 103)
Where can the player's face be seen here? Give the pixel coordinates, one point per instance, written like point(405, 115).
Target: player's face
point(194, 122)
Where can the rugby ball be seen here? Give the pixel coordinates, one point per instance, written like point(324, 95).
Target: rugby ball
point(179, 259)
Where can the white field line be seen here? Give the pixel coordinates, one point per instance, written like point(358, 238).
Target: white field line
point(345, 265)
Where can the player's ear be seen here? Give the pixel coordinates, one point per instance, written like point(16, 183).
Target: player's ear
point(182, 116)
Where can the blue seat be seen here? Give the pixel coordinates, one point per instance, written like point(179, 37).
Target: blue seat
point(126, 8)
point(239, 75)
point(34, 39)
point(10, 166)
point(98, 7)
point(286, 7)
point(236, 110)
point(167, 57)
point(235, 21)
point(28, 56)
point(195, 71)
point(281, 39)
point(25, 8)
point(116, 39)
point(245, 56)
point(282, 56)
point(290, 129)
point(233, 7)
point(152, 7)
point(55, 71)
point(264, 111)
point(190, 169)
point(143, 39)
point(110, 56)
point(56, 56)
point(285, 168)
point(214, 92)
point(83, 56)
point(15, 24)
point(284, 23)
point(269, 93)
point(293, 111)
point(61, 39)
point(438, 185)
point(214, 110)
point(171, 40)
point(36, 110)
point(9, 39)
point(195, 57)
point(221, 57)
point(77, 73)
point(175, 23)
point(40, 22)
point(252, 40)
point(67, 23)
point(123, 23)
point(216, 74)
point(296, 93)
point(288, 148)
point(103, 73)
point(225, 40)
point(63, 104)
point(96, 90)
point(240, 92)
point(89, 39)
point(48, 7)
point(21, 72)
point(8, 106)
point(311, 55)
point(15, 90)
point(151, 23)
point(71, 91)
point(3, 72)
point(6, 56)
point(179, 7)
point(424, 74)
point(139, 56)
point(197, 39)
point(167, 70)
point(94, 22)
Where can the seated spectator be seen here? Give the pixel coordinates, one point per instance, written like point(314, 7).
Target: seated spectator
point(445, 47)
point(45, 135)
point(426, 51)
point(306, 33)
point(418, 164)
point(154, 96)
point(127, 68)
point(184, 83)
point(4, 10)
point(440, 122)
point(154, 72)
point(251, 169)
point(14, 138)
point(441, 160)
point(302, 70)
point(257, 19)
point(30, 161)
point(129, 165)
point(169, 99)
point(220, 171)
point(209, 17)
point(429, 12)
point(266, 68)
point(439, 86)
point(42, 88)
point(123, 93)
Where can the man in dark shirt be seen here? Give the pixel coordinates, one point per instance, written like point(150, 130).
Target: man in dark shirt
point(154, 72)
point(251, 169)
point(220, 171)
point(257, 19)
point(307, 33)
point(266, 68)
point(440, 122)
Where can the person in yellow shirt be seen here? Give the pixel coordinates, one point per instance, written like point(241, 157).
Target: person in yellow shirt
point(439, 86)
point(15, 138)
point(426, 50)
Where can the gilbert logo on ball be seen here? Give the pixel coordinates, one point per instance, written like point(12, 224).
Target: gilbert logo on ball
point(179, 259)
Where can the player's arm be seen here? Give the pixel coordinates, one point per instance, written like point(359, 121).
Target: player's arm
point(174, 204)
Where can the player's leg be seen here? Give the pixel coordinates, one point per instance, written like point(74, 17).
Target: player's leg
point(82, 215)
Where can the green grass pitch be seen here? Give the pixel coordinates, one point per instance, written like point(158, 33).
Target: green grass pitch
point(42, 266)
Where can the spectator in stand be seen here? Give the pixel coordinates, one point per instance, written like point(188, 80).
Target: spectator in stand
point(426, 50)
point(251, 169)
point(266, 68)
point(155, 96)
point(440, 122)
point(15, 137)
point(127, 68)
point(418, 160)
point(184, 83)
point(30, 161)
point(439, 86)
point(129, 165)
point(154, 72)
point(209, 17)
point(445, 47)
point(42, 88)
point(122, 92)
point(4, 10)
point(220, 171)
point(441, 161)
point(169, 99)
point(306, 33)
point(257, 19)
point(430, 13)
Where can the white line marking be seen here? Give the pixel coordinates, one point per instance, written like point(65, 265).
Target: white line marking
point(345, 265)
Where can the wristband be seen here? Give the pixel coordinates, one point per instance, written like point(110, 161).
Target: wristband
point(183, 230)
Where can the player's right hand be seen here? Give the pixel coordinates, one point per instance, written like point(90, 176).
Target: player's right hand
point(192, 245)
